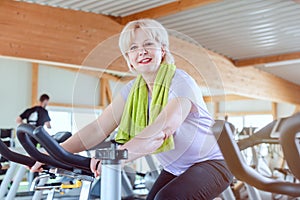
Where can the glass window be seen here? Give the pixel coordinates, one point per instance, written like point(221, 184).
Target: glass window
point(72, 120)
point(81, 119)
point(257, 121)
point(237, 121)
point(250, 121)
point(60, 121)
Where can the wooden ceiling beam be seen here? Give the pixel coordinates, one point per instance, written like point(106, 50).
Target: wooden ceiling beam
point(266, 59)
point(243, 113)
point(68, 105)
point(165, 10)
point(255, 83)
point(227, 97)
point(97, 74)
point(57, 35)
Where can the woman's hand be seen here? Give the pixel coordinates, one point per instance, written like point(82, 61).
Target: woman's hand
point(167, 133)
point(95, 166)
point(37, 167)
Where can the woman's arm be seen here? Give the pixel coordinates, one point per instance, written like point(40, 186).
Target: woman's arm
point(97, 131)
point(166, 123)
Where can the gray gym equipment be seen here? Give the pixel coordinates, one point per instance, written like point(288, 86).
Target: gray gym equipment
point(25, 135)
point(111, 163)
point(261, 136)
point(242, 171)
point(15, 158)
point(290, 141)
point(111, 171)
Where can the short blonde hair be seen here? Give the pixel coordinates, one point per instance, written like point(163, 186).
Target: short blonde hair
point(151, 27)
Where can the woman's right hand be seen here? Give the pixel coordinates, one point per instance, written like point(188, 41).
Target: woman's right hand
point(37, 167)
point(95, 166)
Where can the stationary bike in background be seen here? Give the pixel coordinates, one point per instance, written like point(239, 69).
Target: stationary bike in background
point(15, 173)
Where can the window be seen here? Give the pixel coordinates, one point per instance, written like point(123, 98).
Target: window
point(81, 119)
point(72, 120)
point(60, 121)
point(257, 121)
point(238, 122)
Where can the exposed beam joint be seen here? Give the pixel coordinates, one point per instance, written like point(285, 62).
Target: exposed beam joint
point(34, 83)
point(274, 110)
point(67, 105)
point(229, 97)
point(102, 91)
point(108, 91)
point(216, 109)
point(98, 74)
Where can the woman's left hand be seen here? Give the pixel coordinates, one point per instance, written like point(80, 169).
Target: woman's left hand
point(167, 132)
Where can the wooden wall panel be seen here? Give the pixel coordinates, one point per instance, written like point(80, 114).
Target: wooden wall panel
point(255, 83)
point(52, 34)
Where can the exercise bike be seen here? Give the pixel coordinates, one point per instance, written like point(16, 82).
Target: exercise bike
point(17, 170)
point(245, 173)
point(77, 166)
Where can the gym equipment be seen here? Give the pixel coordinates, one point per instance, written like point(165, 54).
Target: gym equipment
point(127, 190)
point(111, 163)
point(242, 171)
point(261, 136)
point(25, 133)
point(19, 170)
point(288, 129)
point(148, 178)
point(14, 158)
point(254, 141)
point(282, 131)
point(129, 174)
point(6, 136)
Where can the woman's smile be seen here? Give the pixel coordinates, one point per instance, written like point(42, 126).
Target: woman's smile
point(145, 61)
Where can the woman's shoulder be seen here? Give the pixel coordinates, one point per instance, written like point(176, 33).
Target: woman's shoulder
point(126, 89)
point(183, 78)
point(183, 85)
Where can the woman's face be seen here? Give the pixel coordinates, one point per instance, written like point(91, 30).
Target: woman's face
point(145, 54)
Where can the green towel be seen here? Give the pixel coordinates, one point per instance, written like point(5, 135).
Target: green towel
point(135, 115)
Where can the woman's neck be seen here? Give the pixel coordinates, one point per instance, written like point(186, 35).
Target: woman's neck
point(149, 79)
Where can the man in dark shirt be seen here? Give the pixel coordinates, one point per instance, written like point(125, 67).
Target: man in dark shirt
point(37, 115)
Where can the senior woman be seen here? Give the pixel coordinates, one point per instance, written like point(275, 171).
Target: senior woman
point(161, 112)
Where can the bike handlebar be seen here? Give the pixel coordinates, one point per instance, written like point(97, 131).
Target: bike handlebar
point(24, 134)
point(59, 153)
point(15, 157)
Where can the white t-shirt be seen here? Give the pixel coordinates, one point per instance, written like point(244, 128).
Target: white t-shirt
point(194, 141)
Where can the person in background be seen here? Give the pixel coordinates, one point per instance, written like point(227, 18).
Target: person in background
point(37, 115)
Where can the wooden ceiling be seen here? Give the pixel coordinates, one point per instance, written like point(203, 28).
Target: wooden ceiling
point(43, 33)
